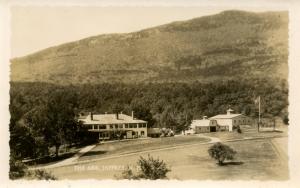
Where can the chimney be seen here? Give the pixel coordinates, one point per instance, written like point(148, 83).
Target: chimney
point(204, 117)
point(91, 115)
point(132, 114)
point(229, 111)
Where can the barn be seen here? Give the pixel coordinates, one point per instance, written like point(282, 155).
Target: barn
point(201, 126)
point(228, 121)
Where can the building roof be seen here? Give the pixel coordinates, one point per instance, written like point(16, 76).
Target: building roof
point(110, 119)
point(225, 116)
point(200, 123)
point(154, 131)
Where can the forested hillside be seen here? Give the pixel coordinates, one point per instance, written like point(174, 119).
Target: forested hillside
point(229, 45)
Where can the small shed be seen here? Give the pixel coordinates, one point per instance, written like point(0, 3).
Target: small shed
point(204, 125)
point(154, 132)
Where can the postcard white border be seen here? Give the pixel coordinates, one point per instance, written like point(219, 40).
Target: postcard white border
point(294, 91)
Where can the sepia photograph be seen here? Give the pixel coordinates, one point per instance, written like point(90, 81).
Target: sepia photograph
point(149, 93)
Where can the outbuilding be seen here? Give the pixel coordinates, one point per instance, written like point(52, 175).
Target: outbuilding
point(204, 125)
point(228, 121)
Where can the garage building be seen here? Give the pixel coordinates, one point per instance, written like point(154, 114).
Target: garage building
point(227, 122)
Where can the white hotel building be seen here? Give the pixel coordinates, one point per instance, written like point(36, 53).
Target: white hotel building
point(115, 126)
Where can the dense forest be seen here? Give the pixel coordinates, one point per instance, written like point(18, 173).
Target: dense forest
point(161, 104)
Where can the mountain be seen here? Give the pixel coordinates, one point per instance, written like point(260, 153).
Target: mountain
point(228, 45)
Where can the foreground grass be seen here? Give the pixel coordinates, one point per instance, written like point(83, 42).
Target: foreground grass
point(260, 159)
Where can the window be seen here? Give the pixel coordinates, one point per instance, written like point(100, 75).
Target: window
point(111, 126)
point(140, 125)
point(120, 126)
point(234, 121)
point(116, 126)
point(142, 133)
point(134, 125)
point(126, 125)
point(145, 125)
point(130, 125)
point(102, 126)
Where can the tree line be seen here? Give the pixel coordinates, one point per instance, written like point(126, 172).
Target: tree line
point(44, 115)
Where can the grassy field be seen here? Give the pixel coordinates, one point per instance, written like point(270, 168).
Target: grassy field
point(249, 132)
point(259, 159)
point(131, 146)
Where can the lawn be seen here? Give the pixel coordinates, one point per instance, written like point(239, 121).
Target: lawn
point(249, 133)
point(131, 146)
point(258, 160)
point(261, 159)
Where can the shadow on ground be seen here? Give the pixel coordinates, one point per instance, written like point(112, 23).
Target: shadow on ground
point(50, 159)
point(91, 153)
point(267, 131)
point(232, 163)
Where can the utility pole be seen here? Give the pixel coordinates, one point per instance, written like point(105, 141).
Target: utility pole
point(259, 110)
point(259, 120)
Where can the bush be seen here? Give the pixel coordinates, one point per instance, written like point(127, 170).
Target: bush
point(128, 174)
point(150, 168)
point(239, 130)
point(286, 120)
point(17, 169)
point(221, 152)
point(41, 175)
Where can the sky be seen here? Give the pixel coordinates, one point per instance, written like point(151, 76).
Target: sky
point(34, 28)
